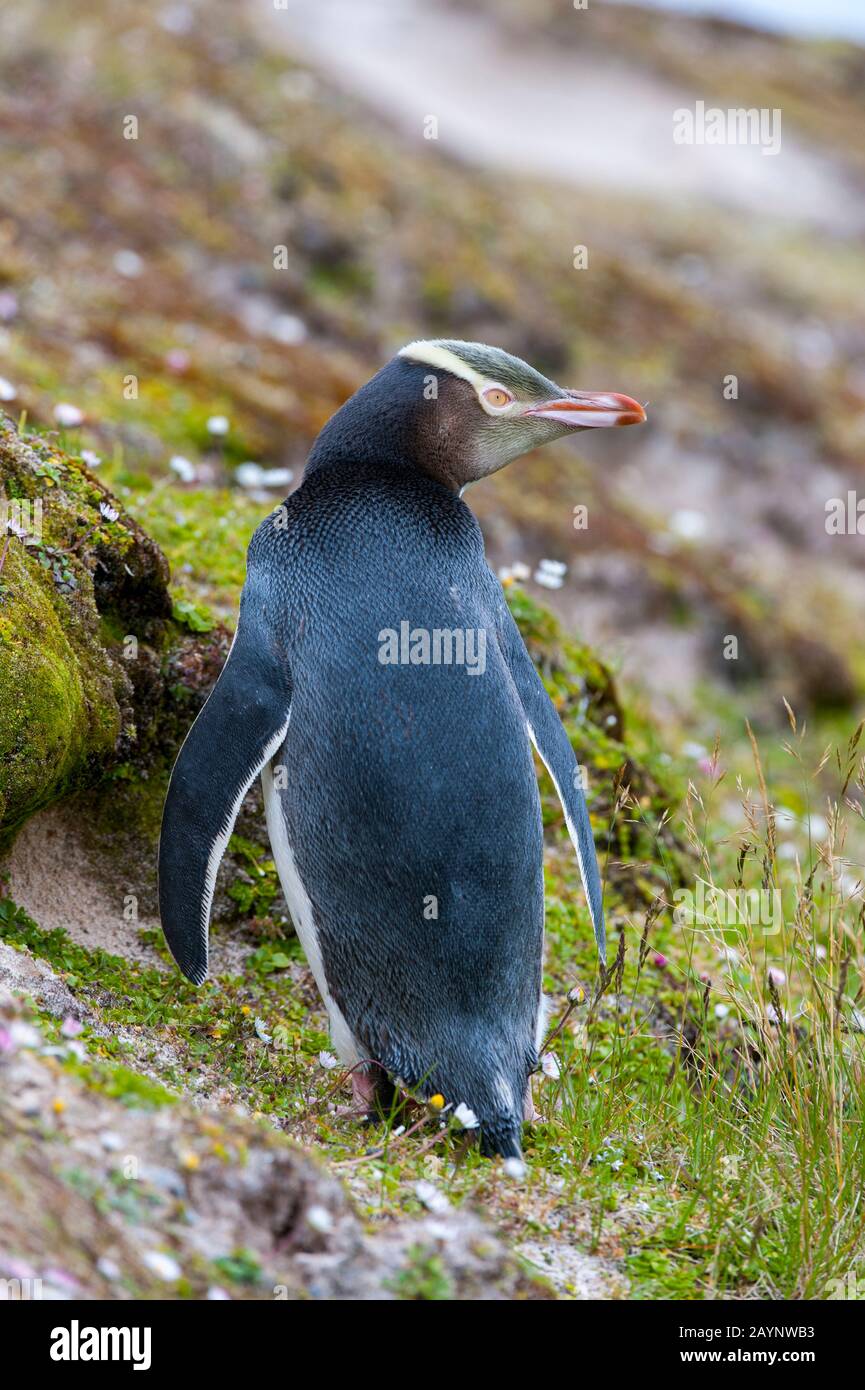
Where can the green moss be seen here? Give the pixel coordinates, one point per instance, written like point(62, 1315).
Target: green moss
point(423, 1278)
point(121, 1083)
point(61, 694)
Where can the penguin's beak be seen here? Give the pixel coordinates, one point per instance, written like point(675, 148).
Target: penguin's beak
point(590, 410)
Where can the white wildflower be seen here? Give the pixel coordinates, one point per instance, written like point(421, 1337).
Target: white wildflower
point(276, 477)
point(550, 1066)
point(7, 390)
point(550, 574)
point(108, 512)
point(68, 415)
point(465, 1118)
point(218, 424)
point(184, 469)
point(514, 1168)
point(249, 475)
point(693, 750)
point(327, 1060)
point(689, 524)
point(261, 1031)
point(288, 329)
point(92, 459)
point(24, 1034)
point(164, 1266)
point(429, 1195)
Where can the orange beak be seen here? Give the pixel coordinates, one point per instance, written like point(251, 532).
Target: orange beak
point(591, 410)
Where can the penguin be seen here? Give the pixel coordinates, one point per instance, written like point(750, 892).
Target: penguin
point(379, 687)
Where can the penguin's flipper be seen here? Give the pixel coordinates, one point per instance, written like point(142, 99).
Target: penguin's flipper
point(548, 735)
point(238, 730)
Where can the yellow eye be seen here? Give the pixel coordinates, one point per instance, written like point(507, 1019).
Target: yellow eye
point(497, 397)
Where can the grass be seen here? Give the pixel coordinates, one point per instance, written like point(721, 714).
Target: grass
point(705, 1133)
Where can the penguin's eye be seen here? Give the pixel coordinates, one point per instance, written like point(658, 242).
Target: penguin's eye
point(497, 398)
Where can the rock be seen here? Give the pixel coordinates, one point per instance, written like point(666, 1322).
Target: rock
point(90, 658)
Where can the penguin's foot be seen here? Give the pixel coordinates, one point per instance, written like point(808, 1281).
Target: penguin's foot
point(374, 1098)
point(378, 1097)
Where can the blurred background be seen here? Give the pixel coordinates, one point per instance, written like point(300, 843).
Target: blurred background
point(248, 207)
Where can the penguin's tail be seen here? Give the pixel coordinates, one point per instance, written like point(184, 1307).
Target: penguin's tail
point(501, 1138)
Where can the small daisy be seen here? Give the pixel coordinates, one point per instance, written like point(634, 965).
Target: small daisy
point(108, 512)
point(90, 458)
point(218, 425)
point(550, 1066)
point(68, 415)
point(550, 574)
point(465, 1118)
point(184, 469)
point(327, 1060)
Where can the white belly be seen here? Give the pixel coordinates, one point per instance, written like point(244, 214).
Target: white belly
point(300, 908)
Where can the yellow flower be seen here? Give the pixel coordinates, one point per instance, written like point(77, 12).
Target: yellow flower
point(191, 1161)
point(246, 1009)
point(436, 1102)
point(58, 1105)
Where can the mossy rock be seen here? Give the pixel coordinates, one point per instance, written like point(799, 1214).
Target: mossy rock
point(88, 650)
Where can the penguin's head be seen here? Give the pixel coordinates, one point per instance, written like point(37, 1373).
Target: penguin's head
point(460, 411)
